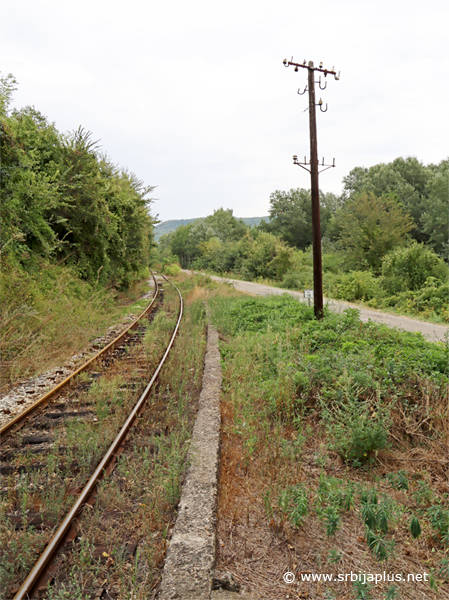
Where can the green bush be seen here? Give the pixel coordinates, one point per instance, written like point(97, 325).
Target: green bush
point(429, 301)
point(291, 281)
point(354, 286)
point(357, 427)
point(409, 268)
point(172, 269)
point(333, 262)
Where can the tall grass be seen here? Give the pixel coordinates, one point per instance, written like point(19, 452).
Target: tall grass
point(48, 315)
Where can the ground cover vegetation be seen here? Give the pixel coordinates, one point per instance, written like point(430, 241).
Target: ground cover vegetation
point(76, 229)
point(135, 505)
point(334, 456)
point(384, 240)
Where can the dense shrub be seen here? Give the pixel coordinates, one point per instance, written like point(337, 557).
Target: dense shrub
point(357, 427)
point(63, 200)
point(408, 268)
point(429, 301)
point(292, 281)
point(354, 286)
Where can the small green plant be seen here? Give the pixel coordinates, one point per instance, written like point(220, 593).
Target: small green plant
point(392, 593)
point(362, 589)
point(381, 547)
point(357, 427)
point(332, 520)
point(439, 519)
point(375, 515)
point(334, 556)
point(415, 527)
point(369, 516)
point(398, 480)
point(443, 572)
point(433, 583)
point(382, 517)
point(423, 495)
point(293, 502)
point(348, 497)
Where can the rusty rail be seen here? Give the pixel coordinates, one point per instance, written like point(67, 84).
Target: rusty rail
point(44, 400)
point(28, 587)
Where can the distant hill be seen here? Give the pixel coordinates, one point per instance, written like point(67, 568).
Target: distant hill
point(167, 226)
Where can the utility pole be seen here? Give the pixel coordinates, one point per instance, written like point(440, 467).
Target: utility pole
point(314, 171)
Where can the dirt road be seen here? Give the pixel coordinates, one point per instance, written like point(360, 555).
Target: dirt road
point(431, 331)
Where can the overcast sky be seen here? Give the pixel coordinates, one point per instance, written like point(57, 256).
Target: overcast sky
point(192, 96)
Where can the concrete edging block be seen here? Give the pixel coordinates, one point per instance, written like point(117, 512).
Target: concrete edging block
point(190, 560)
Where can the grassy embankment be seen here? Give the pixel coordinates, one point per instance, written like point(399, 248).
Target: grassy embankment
point(49, 314)
point(335, 452)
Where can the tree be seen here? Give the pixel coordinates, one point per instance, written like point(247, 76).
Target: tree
point(406, 178)
point(8, 85)
point(291, 215)
point(183, 244)
point(29, 148)
point(225, 226)
point(435, 218)
point(371, 227)
point(267, 257)
point(188, 241)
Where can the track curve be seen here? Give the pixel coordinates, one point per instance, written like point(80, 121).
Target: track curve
point(33, 580)
point(17, 421)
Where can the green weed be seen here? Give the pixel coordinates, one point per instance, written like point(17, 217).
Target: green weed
point(362, 589)
point(398, 480)
point(439, 519)
point(293, 502)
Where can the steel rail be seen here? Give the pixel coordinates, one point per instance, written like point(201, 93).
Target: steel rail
point(58, 538)
point(6, 429)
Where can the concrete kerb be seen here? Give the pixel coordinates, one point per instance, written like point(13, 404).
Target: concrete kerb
point(190, 561)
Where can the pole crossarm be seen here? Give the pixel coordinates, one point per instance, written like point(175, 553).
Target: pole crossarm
point(305, 65)
point(305, 163)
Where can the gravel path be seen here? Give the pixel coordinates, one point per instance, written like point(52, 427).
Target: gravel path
point(431, 331)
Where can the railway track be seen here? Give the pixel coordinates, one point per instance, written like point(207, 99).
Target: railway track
point(104, 354)
point(44, 446)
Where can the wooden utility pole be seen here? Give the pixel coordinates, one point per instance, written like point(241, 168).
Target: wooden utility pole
point(314, 171)
point(315, 189)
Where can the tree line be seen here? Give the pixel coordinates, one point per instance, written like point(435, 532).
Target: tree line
point(385, 239)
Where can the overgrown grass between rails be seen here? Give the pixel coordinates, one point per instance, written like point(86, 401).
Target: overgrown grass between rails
point(323, 417)
point(145, 487)
point(50, 314)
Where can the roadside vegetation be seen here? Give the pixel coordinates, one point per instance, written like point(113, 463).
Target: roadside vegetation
point(76, 237)
point(334, 458)
point(384, 240)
